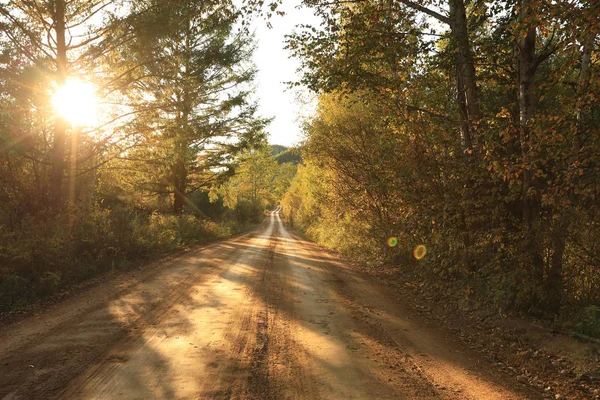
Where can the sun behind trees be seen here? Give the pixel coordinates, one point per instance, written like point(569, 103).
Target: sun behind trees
point(470, 127)
point(117, 119)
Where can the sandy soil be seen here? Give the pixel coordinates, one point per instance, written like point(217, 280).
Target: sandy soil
point(266, 315)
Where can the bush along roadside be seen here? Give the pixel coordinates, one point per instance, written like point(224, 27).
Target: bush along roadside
point(48, 255)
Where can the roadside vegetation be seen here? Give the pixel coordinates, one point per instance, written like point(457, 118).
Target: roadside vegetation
point(466, 127)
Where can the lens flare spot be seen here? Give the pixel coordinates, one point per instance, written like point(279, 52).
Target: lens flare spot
point(392, 241)
point(420, 251)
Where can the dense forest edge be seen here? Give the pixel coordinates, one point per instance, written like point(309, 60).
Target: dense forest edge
point(459, 139)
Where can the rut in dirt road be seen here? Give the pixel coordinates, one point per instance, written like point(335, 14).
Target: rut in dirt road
point(266, 315)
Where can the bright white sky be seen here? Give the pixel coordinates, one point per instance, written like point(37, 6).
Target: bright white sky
point(276, 67)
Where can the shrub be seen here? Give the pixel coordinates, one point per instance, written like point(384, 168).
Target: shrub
point(588, 321)
point(247, 211)
point(44, 255)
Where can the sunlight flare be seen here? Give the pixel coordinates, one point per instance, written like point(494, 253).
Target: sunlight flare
point(420, 251)
point(392, 241)
point(75, 101)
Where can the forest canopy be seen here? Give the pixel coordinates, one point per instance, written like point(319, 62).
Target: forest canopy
point(469, 127)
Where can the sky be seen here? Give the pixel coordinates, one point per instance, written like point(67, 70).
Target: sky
point(275, 66)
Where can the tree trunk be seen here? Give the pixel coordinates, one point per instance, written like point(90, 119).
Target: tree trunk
point(584, 81)
point(58, 148)
point(180, 167)
point(163, 195)
point(457, 20)
point(180, 171)
point(468, 106)
point(180, 185)
point(531, 191)
point(527, 105)
point(468, 96)
point(554, 287)
point(465, 129)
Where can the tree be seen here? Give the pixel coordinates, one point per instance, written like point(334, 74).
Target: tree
point(367, 26)
point(199, 90)
point(52, 42)
point(254, 179)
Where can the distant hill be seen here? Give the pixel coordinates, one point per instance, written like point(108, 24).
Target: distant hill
point(285, 154)
point(277, 149)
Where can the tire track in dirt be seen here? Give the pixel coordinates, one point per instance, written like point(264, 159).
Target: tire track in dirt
point(278, 370)
point(231, 381)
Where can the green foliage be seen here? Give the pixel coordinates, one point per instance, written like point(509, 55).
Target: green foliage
point(44, 257)
point(285, 155)
point(277, 149)
point(301, 203)
point(247, 211)
point(588, 321)
point(258, 181)
point(311, 209)
point(12, 292)
point(172, 232)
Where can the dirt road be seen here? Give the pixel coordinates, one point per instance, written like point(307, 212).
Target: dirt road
point(266, 315)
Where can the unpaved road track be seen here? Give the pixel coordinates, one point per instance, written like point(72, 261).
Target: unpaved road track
point(266, 315)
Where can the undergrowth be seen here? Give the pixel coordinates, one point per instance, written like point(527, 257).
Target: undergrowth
point(47, 255)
